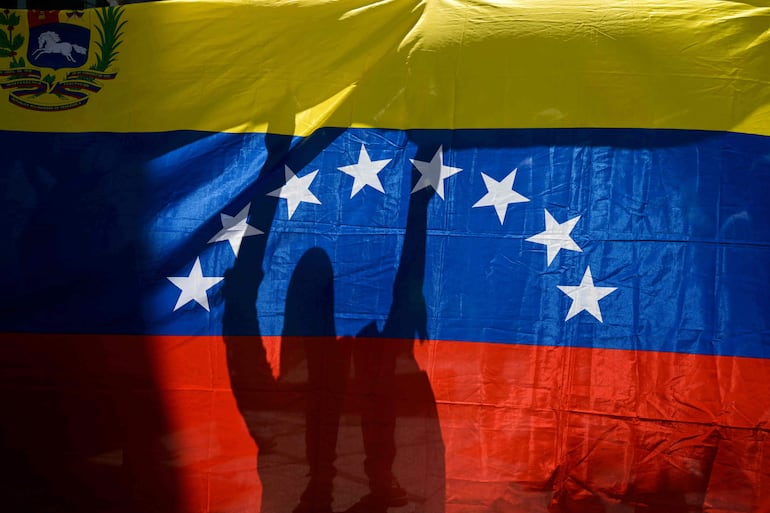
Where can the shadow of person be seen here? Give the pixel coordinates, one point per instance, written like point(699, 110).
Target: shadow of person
point(251, 376)
point(393, 387)
point(389, 398)
point(294, 416)
point(268, 410)
point(316, 363)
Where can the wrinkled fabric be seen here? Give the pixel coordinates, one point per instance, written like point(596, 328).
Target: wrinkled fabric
point(393, 256)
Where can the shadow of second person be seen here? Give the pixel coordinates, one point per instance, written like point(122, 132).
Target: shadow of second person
point(315, 365)
point(364, 398)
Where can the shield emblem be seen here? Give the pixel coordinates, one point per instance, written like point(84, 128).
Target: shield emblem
point(57, 39)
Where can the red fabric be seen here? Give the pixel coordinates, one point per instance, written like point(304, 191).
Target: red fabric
point(122, 423)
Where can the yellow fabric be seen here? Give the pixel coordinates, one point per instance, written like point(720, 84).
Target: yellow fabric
point(294, 66)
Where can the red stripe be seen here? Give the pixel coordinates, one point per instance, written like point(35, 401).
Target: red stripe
point(112, 422)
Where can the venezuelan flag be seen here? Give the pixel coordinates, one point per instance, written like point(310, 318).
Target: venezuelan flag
point(447, 256)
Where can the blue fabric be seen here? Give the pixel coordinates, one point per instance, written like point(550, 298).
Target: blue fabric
point(676, 221)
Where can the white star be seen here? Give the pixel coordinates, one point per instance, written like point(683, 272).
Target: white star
point(586, 296)
point(234, 229)
point(194, 286)
point(365, 172)
point(296, 190)
point(556, 236)
point(434, 173)
point(500, 194)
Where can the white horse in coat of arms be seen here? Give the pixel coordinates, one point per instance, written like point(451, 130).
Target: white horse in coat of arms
point(50, 42)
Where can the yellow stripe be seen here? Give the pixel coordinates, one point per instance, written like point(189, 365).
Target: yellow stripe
point(294, 66)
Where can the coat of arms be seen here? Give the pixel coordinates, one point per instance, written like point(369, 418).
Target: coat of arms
point(51, 62)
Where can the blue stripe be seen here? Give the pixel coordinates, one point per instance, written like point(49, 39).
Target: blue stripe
point(676, 221)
